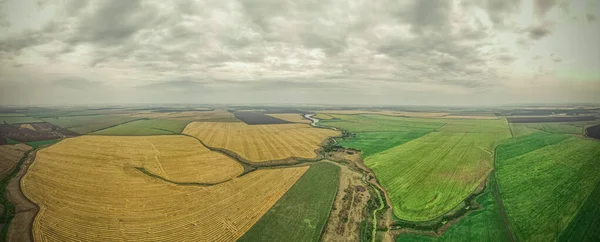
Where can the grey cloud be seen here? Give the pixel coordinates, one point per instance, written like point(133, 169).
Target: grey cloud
point(543, 6)
point(539, 31)
point(430, 14)
point(590, 17)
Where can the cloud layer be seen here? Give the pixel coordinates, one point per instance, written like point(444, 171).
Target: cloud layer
point(311, 51)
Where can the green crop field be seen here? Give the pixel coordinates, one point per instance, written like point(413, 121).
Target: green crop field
point(11, 115)
point(520, 129)
point(428, 165)
point(484, 224)
point(38, 144)
point(584, 226)
point(86, 124)
point(145, 127)
point(18, 120)
point(301, 213)
point(431, 175)
point(545, 179)
point(374, 142)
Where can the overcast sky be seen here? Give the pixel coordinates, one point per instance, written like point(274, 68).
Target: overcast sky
point(397, 52)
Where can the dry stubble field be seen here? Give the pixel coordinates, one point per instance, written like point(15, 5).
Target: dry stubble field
point(260, 143)
point(89, 190)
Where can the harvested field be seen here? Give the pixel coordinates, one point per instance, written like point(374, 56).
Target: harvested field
point(145, 127)
point(217, 115)
point(10, 155)
point(33, 132)
point(593, 132)
point(88, 188)
point(86, 124)
point(551, 119)
point(290, 117)
point(302, 211)
point(564, 172)
point(252, 118)
point(260, 143)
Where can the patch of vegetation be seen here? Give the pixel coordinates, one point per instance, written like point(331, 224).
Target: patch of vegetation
point(145, 127)
point(38, 144)
point(545, 181)
point(301, 213)
point(558, 128)
point(86, 124)
point(374, 142)
point(11, 141)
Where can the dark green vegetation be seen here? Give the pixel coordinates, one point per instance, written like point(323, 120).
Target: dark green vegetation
point(520, 129)
point(10, 141)
point(86, 124)
point(38, 144)
point(374, 142)
point(145, 127)
point(584, 226)
point(484, 224)
point(301, 213)
point(546, 181)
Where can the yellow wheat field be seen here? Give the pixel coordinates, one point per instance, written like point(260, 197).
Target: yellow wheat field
point(261, 143)
point(88, 190)
point(292, 117)
point(10, 155)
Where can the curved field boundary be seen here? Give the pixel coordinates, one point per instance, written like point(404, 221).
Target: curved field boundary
point(143, 170)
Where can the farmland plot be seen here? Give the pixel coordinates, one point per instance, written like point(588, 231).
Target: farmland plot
point(146, 127)
point(290, 117)
point(563, 174)
point(253, 118)
point(431, 175)
point(302, 211)
point(86, 124)
point(260, 143)
point(89, 190)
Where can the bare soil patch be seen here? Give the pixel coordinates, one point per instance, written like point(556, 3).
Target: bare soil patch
point(21, 225)
point(349, 208)
point(33, 132)
point(593, 132)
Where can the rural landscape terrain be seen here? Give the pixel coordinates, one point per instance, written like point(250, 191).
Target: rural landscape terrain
point(299, 173)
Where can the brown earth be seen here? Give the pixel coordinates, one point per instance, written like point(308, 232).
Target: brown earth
point(33, 132)
point(21, 225)
point(11, 154)
point(349, 208)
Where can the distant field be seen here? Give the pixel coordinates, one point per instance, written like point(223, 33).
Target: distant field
point(88, 188)
point(485, 224)
point(371, 143)
point(545, 179)
point(215, 115)
point(431, 175)
point(32, 132)
point(260, 143)
point(551, 119)
point(378, 123)
point(253, 118)
point(40, 143)
point(520, 129)
point(86, 124)
point(301, 213)
point(2, 115)
point(18, 120)
point(145, 127)
point(290, 117)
